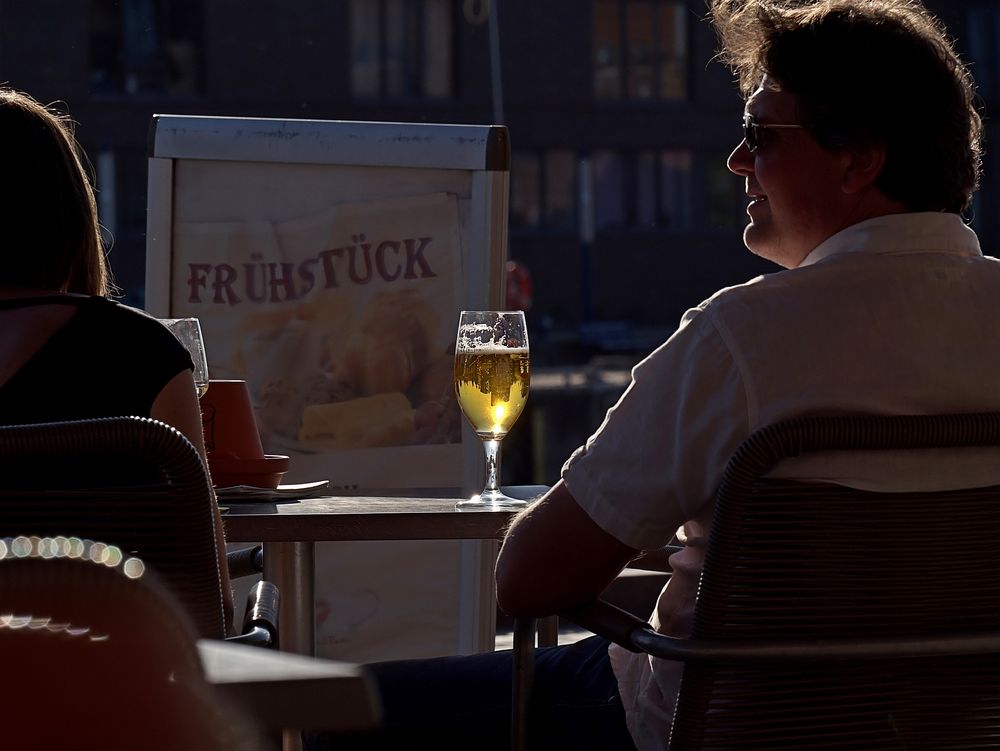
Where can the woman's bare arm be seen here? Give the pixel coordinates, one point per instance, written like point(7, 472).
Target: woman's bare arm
point(177, 405)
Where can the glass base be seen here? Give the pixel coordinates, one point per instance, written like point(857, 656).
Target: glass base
point(492, 499)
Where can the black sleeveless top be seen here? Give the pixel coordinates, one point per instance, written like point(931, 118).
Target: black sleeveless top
point(107, 360)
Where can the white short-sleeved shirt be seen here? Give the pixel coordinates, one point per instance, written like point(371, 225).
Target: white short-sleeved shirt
point(894, 315)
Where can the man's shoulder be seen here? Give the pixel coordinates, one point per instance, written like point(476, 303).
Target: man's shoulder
point(738, 295)
point(707, 326)
point(767, 300)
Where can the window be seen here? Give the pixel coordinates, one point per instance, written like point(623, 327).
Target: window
point(607, 50)
point(643, 191)
point(543, 190)
point(145, 46)
point(609, 190)
point(983, 39)
point(628, 191)
point(525, 191)
point(724, 193)
point(674, 190)
point(640, 49)
point(661, 189)
point(402, 48)
point(560, 190)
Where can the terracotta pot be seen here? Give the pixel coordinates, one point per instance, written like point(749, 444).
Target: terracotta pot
point(228, 421)
point(232, 442)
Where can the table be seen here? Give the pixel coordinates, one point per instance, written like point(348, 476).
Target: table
point(280, 690)
point(290, 529)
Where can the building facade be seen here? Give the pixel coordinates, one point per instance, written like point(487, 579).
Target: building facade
point(622, 209)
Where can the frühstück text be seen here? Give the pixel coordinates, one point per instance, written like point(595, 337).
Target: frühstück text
point(274, 282)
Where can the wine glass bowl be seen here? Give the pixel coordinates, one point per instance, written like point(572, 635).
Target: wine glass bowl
point(492, 379)
point(188, 332)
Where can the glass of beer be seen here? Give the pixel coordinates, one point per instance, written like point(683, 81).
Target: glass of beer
point(492, 376)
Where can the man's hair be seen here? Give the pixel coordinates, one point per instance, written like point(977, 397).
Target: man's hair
point(867, 72)
point(50, 237)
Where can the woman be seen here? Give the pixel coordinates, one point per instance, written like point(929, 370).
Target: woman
point(66, 350)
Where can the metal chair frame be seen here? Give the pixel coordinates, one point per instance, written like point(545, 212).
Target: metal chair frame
point(797, 643)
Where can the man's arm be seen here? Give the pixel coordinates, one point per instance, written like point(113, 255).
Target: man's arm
point(555, 556)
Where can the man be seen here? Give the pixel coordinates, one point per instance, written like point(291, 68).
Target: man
point(861, 148)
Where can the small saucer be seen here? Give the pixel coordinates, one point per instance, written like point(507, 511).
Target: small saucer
point(261, 473)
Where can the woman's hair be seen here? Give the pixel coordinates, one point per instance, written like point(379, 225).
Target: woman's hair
point(867, 72)
point(50, 234)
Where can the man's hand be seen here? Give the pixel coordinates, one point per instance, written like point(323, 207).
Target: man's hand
point(555, 557)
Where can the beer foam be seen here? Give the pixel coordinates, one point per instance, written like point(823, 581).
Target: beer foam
point(489, 348)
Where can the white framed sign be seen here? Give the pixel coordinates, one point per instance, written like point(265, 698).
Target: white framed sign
point(327, 262)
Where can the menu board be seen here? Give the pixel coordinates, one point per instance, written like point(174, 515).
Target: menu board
point(360, 299)
point(327, 262)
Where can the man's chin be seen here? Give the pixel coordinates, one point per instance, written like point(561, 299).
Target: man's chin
point(761, 243)
point(769, 253)
point(756, 240)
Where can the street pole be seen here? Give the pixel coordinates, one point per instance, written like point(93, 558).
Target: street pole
point(585, 182)
point(495, 77)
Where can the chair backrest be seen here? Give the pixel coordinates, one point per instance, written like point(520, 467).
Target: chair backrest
point(811, 560)
point(130, 481)
point(97, 653)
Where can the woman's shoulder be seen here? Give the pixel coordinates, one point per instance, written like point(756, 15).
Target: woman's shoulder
point(102, 305)
point(118, 311)
point(132, 324)
point(85, 310)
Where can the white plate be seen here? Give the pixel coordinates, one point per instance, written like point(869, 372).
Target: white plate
point(247, 493)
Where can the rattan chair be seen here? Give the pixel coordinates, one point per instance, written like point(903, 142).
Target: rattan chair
point(138, 484)
point(98, 654)
point(834, 618)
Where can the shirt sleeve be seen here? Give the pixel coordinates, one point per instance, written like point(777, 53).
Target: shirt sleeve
point(657, 458)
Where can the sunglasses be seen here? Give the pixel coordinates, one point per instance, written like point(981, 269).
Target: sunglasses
point(752, 128)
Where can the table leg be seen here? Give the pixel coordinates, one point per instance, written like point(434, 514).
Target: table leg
point(548, 631)
point(291, 740)
point(290, 565)
point(524, 674)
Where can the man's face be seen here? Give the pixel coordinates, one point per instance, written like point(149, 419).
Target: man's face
point(794, 184)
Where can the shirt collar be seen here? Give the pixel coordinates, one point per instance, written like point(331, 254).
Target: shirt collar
point(901, 233)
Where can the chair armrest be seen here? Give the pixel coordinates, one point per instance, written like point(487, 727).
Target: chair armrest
point(246, 562)
point(655, 560)
point(636, 635)
point(260, 623)
point(609, 621)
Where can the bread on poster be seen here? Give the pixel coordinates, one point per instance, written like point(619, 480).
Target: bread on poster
point(282, 401)
point(365, 422)
point(392, 343)
point(259, 329)
point(437, 417)
point(332, 316)
point(386, 383)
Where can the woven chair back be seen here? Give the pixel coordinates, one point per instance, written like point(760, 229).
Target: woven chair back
point(810, 560)
point(132, 482)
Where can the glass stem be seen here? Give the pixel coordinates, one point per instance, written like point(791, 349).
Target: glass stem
point(492, 446)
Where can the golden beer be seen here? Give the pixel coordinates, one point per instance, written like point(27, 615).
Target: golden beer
point(492, 387)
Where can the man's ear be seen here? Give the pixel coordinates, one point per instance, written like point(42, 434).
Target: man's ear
point(863, 167)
